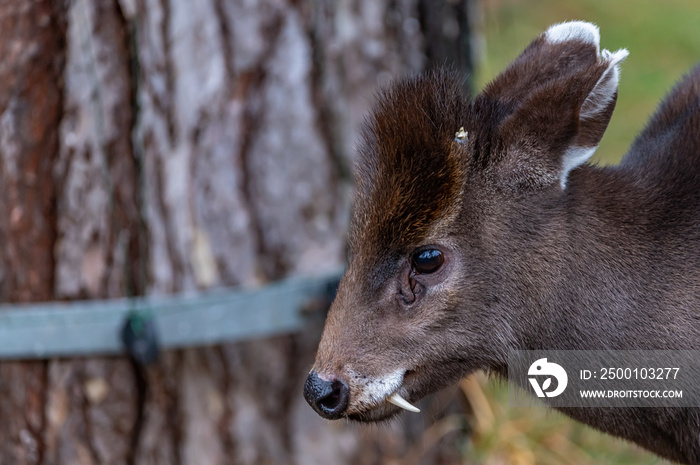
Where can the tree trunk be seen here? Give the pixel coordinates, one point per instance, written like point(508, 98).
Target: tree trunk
point(159, 146)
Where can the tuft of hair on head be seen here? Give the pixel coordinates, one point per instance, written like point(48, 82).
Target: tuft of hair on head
point(410, 169)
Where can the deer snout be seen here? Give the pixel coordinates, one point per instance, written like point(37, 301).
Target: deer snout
point(328, 398)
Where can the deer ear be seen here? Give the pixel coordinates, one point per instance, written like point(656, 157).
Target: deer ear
point(558, 96)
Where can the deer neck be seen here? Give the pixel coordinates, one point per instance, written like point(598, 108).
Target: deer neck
point(585, 257)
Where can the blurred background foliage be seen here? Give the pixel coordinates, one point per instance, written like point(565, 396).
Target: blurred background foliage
point(536, 435)
point(663, 39)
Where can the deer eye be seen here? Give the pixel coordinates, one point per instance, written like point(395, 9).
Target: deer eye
point(426, 261)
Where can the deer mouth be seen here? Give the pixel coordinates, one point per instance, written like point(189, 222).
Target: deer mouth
point(396, 398)
point(389, 405)
point(414, 385)
point(400, 402)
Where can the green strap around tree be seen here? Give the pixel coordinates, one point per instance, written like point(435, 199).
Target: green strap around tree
point(58, 329)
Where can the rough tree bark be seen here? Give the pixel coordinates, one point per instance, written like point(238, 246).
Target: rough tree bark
point(156, 146)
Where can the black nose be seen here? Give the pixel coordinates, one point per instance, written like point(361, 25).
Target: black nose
point(328, 398)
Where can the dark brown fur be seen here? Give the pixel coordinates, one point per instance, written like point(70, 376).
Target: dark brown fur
point(408, 162)
point(611, 261)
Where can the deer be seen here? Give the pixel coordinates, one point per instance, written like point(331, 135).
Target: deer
point(478, 228)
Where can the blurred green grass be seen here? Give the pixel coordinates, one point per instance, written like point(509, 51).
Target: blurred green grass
point(663, 39)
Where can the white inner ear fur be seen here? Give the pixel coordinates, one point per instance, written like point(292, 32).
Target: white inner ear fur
point(596, 102)
point(604, 90)
point(601, 95)
point(574, 157)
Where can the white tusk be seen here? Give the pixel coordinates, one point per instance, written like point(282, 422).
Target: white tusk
point(403, 403)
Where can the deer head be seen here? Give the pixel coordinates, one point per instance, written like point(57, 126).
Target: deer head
point(456, 201)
